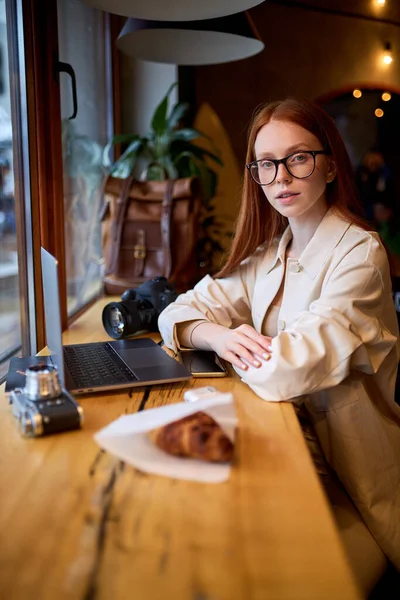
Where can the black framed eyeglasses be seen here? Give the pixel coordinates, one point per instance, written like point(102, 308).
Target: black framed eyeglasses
point(299, 164)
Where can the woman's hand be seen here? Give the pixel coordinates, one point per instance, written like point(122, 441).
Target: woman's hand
point(243, 346)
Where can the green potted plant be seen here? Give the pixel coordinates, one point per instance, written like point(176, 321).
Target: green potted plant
point(168, 151)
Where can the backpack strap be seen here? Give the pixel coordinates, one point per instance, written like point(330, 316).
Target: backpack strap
point(166, 213)
point(116, 229)
point(139, 253)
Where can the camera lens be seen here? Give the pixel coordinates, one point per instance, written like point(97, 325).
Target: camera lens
point(120, 321)
point(117, 321)
point(114, 320)
point(42, 382)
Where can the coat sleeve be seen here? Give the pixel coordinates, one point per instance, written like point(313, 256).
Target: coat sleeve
point(342, 330)
point(222, 301)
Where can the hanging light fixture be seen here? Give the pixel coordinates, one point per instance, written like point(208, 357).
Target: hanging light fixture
point(388, 54)
point(173, 10)
point(191, 43)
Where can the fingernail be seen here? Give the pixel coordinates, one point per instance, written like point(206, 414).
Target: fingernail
point(269, 348)
point(244, 367)
point(256, 363)
point(266, 356)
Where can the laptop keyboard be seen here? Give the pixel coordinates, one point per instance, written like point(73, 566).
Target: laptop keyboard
point(96, 365)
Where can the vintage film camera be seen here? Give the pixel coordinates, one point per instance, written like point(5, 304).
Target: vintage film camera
point(139, 309)
point(42, 407)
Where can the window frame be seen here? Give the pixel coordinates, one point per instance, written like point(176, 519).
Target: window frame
point(24, 212)
point(43, 212)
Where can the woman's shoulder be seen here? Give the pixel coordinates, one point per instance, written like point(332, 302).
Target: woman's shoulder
point(361, 245)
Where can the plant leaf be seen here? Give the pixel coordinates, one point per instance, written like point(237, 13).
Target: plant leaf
point(195, 166)
point(179, 146)
point(155, 172)
point(185, 134)
point(162, 144)
point(188, 133)
point(124, 169)
point(106, 159)
point(184, 159)
point(201, 152)
point(169, 166)
point(177, 112)
point(124, 166)
point(159, 121)
point(125, 137)
point(133, 148)
point(128, 137)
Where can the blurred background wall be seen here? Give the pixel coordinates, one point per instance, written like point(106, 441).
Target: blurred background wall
point(307, 54)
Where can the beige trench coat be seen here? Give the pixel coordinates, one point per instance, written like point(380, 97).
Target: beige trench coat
point(336, 348)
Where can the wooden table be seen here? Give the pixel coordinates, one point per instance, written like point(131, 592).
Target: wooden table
point(76, 523)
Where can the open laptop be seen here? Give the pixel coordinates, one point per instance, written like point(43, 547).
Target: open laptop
point(101, 366)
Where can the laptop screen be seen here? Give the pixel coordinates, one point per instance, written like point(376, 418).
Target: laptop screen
point(52, 311)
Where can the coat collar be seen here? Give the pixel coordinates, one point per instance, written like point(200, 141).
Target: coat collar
point(325, 239)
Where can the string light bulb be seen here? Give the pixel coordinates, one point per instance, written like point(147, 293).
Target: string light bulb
point(357, 93)
point(388, 55)
point(386, 96)
point(379, 112)
point(381, 2)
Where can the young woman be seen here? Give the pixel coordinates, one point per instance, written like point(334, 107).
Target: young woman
point(303, 310)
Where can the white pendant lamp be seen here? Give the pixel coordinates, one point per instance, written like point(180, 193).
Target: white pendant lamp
point(191, 43)
point(173, 10)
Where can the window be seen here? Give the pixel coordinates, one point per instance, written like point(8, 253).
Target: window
point(82, 34)
point(10, 308)
point(45, 156)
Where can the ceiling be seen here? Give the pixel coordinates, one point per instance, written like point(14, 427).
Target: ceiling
point(366, 8)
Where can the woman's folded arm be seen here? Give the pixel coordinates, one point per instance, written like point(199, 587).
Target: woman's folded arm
point(340, 331)
point(223, 302)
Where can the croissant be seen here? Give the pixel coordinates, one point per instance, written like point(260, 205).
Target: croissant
point(196, 436)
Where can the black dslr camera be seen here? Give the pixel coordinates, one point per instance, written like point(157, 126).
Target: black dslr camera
point(139, 309)
point(42, 407)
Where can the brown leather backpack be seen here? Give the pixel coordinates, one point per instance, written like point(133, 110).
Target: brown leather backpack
point(149, 228)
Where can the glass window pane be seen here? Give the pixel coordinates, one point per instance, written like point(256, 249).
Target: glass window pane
point(10, 320)
point(82, 43)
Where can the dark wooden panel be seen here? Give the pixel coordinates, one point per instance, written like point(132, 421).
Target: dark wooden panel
point(44, 124)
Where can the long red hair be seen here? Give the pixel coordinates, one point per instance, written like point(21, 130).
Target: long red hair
point(258, 222)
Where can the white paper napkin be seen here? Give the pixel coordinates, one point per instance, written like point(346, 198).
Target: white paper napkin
point(126, 438)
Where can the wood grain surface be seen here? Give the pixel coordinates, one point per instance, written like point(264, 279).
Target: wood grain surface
point(76, 523)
